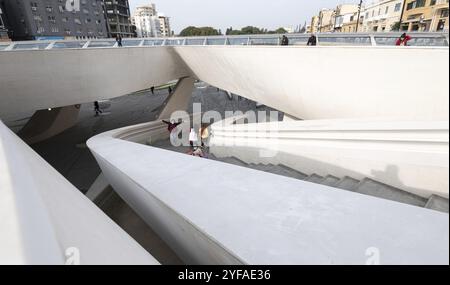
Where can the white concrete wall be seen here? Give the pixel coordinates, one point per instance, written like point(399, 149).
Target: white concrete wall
point(305, 82)
point(42, 216)
point(39, 79)
point(409, 155)
point(331, 82)
point(216, 213)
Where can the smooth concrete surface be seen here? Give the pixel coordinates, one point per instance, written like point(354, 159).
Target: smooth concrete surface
point(179, 100)
point(409, 155)
point(45, 220)
point(305, 82)
point(45, 124)
point(41, 79)
point(215, 213)
point(330, 82)
point(121, 213)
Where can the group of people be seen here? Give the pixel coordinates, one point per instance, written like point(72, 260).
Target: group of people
point(312, 41)
point(197, 139)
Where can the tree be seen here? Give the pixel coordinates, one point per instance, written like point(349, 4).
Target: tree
point(281, 31)
point(192, 31)
point(395, 26)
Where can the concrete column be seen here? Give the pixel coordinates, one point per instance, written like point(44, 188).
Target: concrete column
point(179, 99)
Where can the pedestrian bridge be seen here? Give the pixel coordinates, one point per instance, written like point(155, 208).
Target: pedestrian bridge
point(366, 110)
point(346, 76)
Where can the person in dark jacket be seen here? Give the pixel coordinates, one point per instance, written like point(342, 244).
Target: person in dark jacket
point(97, 108)
point(312, 41)
point(119, 40)
point(171, 127)
point(152, 89)
point(284, 41)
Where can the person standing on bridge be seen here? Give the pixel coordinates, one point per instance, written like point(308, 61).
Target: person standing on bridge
point(284, 41)
point(403, 40)
point(119, 40)
point(312, 41)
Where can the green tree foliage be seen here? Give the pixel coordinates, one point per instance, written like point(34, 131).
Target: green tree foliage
point(199, 31)
point(251, 30)
point(395, 26)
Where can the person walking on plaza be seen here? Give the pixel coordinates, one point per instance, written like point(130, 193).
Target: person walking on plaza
point(119, 40)
point(284, 41)
point(170, 90)
point(193, 138)
point(97, 108)
point(312, 41)
point(152, 89)
point(403, 40)
point(204, 135)
point(171, 127)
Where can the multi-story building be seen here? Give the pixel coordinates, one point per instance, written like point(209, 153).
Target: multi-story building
point(326, 20)
point(164, 22)
point(352, 25)
point(382, 15)
point(147, 22)
point(425, 15)
point(55, 19)
point(345, 14)
point(118, 18)
point(3, 29)
point(314, 27)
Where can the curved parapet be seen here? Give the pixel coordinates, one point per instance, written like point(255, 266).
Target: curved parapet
point(40, 79)
point(46, 220)
point(330, 82)
point(325, 82)
point(408, 155)
point(210, 212)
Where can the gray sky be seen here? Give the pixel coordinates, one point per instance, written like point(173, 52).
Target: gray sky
point(239, 13)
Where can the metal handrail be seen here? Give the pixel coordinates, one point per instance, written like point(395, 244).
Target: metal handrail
point(327, 39)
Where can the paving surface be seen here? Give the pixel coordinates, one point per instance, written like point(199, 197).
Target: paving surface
point(68, 154)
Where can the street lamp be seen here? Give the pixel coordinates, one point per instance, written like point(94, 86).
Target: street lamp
point(359, 15)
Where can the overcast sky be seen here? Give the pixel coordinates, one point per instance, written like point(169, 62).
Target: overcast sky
point(239, 13)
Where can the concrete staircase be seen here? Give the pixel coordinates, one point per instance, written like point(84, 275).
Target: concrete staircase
point(365, 186)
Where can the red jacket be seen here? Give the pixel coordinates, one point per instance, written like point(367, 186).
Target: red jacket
point(404, 41)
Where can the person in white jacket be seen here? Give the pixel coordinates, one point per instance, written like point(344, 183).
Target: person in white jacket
point(193, 138)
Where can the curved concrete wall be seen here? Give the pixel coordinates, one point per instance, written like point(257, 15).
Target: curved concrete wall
point(306, 82)
point(409, 155)
point(46, 220)
point(216, 213)
point(331, 82)
point(41, 79)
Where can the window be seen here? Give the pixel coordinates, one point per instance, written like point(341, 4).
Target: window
point(433, 2)
point(397, 7)
point(387, 10)
point(420, 3)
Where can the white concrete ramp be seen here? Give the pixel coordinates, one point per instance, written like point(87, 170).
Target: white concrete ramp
point(215, 213)
point(46, 220)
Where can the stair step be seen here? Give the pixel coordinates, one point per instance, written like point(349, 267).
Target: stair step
point(233, 160)
point(314, 178)
point(437, 203)
point(371, 187)
point(293, 173)
point(347, 183)
point(329, 180)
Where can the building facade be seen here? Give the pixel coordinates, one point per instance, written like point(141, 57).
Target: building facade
point(55, 19)
point(147, 22)
point(425, 15)
point(382, 15)
point(314, 26)
point(3, 28)
point(118, 18)
point(344, 15)
point(326, 20)
point(164, 22)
